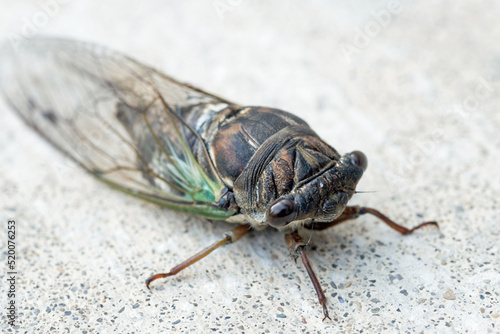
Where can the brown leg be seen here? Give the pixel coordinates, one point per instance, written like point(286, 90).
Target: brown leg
point(296, 247)
point(229, 237)
point(352, 212)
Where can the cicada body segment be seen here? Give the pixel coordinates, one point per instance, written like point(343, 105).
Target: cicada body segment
point(267, 155)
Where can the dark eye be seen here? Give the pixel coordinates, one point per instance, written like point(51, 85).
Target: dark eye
point(358, 158)
point(281, 213)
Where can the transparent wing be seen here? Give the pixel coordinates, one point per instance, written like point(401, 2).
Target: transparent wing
point(119, 119)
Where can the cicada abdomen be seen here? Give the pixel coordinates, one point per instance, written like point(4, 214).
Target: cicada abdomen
point(118, 119)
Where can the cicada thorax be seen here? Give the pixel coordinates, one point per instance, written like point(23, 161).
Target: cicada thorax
point(265, 154)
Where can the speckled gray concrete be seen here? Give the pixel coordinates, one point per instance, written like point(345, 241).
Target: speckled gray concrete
point(419, 96)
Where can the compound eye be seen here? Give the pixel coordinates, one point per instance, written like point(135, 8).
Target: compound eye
point(281, 213)
point(358, 158)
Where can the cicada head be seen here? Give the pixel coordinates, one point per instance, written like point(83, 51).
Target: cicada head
point(302, 180)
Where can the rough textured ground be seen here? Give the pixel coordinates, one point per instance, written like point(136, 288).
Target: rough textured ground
point(414, 86)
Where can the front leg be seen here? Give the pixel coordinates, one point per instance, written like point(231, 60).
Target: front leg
point(353, 212)
point(296, 247)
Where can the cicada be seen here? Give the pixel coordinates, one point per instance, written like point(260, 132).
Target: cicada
point(169, 143)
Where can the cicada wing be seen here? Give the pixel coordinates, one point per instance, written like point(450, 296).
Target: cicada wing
point(119, 119)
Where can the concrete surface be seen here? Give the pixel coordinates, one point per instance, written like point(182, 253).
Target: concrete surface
point(415, 86)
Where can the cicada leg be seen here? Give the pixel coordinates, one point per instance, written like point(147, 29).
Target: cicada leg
point(353, 212)
point(296, 243)
point(296, 247)
point(229, 237)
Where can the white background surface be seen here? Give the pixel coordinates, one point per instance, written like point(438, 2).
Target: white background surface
point(418, 93)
